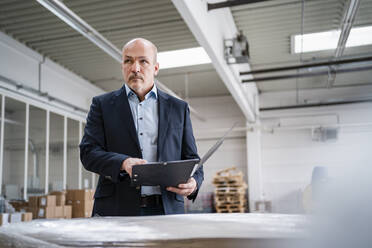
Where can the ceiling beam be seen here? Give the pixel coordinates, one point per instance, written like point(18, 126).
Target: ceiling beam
point(346, 25)
point(210, 29)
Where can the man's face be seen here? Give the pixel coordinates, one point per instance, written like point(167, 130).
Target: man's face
point(139, 67)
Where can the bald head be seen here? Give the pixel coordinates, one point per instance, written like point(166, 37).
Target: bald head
point(141, 42)
point(139, 66)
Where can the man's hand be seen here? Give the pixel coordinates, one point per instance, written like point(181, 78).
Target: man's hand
point(184, 189)
point(129, 162)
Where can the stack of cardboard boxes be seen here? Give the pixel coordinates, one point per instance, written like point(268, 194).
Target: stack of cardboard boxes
point(6, 218)
point(21, 214)
point(74, 203)
point(62, 210)
point(50, 206)
point(81, 201)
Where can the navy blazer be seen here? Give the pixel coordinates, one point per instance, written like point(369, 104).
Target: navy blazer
point(110, 137)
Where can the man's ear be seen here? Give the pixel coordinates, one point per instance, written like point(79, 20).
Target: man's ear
point(156, 69)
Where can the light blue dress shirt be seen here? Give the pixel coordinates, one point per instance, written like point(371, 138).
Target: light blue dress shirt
point(146, 119)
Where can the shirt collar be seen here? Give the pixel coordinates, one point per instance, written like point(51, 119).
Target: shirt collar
point(153, 92)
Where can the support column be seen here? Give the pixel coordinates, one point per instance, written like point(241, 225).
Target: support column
point(254, 166)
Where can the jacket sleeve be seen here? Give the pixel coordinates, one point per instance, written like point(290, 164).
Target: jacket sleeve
point(93, 151)
point(189, 151)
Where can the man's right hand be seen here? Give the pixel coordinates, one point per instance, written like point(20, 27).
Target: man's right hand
point(129, 162)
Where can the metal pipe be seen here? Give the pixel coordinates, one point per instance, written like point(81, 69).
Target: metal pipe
point(307, 74)
point(64, 187)
point(79, 161)
point(35, 182)
point(295, 67)
point(315, 105)
point(2, 141)
point(231, 3)
point(25, 186)
point(47, 133)
point(42, 94)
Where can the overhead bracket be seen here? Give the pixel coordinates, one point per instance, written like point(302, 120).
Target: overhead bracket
point(236, 50)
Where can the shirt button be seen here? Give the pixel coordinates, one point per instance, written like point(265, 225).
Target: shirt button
point(141, 133)
point(140, 104)
point(141, 118)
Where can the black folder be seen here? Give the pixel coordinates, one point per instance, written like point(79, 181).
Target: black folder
point(171, 173)
point(164, 174)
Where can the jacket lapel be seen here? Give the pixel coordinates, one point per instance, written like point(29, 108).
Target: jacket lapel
point(165, 109)
point(124, 113)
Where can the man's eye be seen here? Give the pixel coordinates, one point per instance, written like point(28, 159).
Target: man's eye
point(126, 61)
point(144, 61)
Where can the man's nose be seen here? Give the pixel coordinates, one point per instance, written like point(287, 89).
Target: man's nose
point(135, 67)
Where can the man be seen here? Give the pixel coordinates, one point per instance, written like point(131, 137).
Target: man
point(134, 125)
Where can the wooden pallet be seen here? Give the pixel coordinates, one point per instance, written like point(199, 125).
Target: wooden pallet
point(239, 190)
point(230, 205)
point(230, 210)
point(230, 199)
point(230, 191)
point(228, 195)
point(232, 185)
point(227, 177)
point(228, 180)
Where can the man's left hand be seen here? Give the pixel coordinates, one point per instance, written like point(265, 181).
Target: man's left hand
point(184, 189)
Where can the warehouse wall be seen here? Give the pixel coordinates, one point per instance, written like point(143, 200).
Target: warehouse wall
point(21, 64)
point(220, 114)
point(289, 156)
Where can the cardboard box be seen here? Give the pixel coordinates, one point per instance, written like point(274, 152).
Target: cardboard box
point(64, 192)
point(58, 212)
point(19, 205)
point(83, 195)
point(60, 197)
point(60, 200)
point(82, 209)
point(15, 217)
point(33, 201)
point(67, 211)
point(4, 219)
point(27, 216)
point(46, 212)
point(92, 191)
point(47, 201)
point(34, 211)
point(70, 196)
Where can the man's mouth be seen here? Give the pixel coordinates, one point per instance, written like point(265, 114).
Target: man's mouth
point(135, 78)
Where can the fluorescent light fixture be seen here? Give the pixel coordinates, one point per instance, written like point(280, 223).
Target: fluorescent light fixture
point(316, 41)
point(328, 40)
point(183, 57)
point(360, 37)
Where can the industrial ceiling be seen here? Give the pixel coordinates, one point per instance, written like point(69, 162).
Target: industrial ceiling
point(268, 26)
